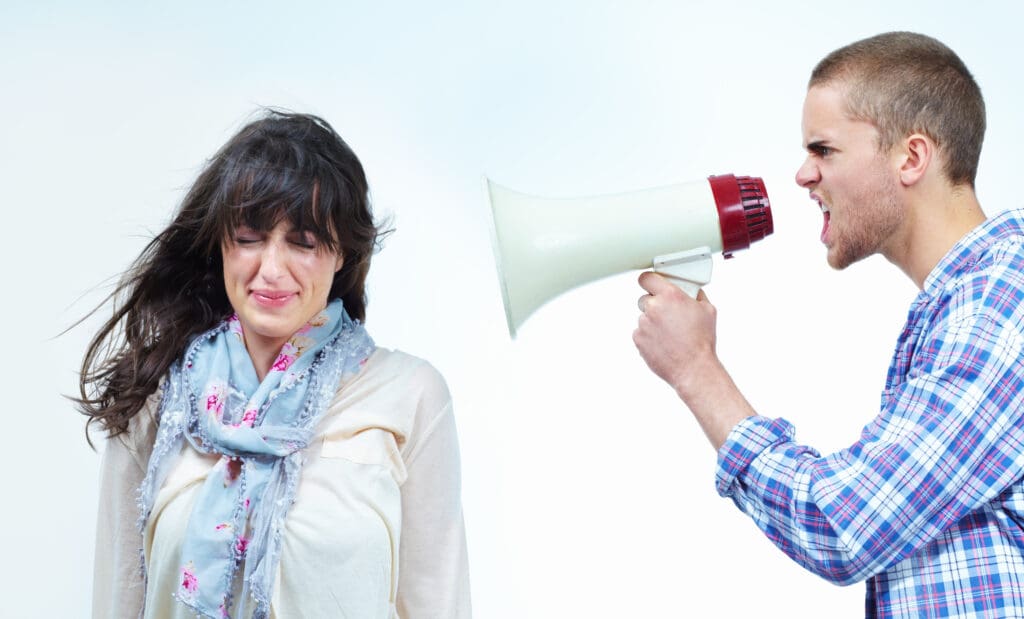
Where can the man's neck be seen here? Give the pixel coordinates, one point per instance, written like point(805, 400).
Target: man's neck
point(937, 218)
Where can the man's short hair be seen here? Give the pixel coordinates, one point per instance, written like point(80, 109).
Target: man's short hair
point(905, 83)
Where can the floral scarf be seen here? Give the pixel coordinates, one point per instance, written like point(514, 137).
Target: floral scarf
point(213, 400)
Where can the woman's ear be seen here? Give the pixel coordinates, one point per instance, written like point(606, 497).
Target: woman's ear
point(339, 263)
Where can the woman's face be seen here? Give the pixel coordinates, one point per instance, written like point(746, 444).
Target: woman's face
point(276, 281)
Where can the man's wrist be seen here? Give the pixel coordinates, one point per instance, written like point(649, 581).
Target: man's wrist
point(713, 399)
point(700, 375)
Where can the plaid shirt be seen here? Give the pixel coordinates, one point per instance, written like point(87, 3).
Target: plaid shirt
point(928, 505)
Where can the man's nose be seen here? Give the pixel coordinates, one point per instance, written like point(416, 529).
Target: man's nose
point(807, 175)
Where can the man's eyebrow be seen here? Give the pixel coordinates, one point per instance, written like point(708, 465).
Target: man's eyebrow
point(816, 146)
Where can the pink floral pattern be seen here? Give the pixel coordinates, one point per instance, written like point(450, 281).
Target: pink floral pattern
point(232, 469)
point(283, 361)
point(235, 327)
point(241, 544)
point(215, 396)
point(248, 418)
point(189, 583)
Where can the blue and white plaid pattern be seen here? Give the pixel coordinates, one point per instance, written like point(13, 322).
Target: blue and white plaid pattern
point(929, 504)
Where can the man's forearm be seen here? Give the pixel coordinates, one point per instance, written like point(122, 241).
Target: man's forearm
point(713, 398)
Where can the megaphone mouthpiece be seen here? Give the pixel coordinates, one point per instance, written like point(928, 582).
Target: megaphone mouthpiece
point(744, 212)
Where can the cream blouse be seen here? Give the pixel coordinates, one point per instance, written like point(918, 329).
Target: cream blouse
point(376, 530)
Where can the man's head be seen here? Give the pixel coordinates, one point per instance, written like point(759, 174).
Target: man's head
point(905, 83)
point(886, 119)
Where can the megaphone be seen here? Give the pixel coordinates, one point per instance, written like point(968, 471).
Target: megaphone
point(546, 246)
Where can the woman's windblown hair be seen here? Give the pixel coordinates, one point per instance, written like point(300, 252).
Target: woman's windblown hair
point(282, 166)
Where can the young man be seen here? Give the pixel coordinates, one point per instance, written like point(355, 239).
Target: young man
point(928, 505)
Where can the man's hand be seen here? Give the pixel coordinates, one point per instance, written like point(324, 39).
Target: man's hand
point(676, 337)
point(675, 334)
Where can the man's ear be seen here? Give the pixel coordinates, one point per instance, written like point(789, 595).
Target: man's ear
point(918, 154)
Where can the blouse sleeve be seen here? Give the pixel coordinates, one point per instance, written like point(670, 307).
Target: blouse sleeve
point(433, 565)
point(118, 590)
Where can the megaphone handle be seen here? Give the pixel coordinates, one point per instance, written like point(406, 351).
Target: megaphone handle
point(690, 288)
point(689, 270)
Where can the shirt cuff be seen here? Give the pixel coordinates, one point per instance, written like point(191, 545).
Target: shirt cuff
point(747, 440)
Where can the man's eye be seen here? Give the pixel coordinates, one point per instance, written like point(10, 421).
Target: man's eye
point(246, 240)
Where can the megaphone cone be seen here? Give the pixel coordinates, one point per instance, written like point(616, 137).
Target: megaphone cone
point(546, 246)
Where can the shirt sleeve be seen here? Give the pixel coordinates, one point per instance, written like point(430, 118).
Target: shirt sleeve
point(117, 588)
point(948, 439)
point(433, 565)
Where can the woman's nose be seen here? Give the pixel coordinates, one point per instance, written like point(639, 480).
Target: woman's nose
point(273, 260)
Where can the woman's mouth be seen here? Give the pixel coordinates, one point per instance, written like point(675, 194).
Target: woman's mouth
point(272, 298)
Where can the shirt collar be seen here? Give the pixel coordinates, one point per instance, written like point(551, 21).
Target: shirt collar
point(966, 252)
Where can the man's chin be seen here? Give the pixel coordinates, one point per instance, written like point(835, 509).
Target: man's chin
point(832, 258)
point(839, 260)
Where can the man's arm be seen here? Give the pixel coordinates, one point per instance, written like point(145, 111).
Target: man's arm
point(948, 440)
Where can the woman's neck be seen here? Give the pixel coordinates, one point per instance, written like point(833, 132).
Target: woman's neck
point(263, 352)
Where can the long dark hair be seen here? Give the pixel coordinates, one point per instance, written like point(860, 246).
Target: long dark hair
point(280, 166)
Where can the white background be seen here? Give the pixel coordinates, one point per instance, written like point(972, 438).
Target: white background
point(588, 488)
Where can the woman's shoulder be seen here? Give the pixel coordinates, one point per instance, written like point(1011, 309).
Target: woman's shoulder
point(415, 373)
point(140, 435)
point(393, 389)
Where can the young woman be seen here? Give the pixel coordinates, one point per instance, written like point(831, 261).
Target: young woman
point(265, 458)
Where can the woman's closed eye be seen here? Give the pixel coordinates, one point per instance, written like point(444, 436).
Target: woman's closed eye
point(244, 235)
point(305, 240)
